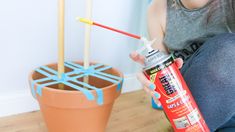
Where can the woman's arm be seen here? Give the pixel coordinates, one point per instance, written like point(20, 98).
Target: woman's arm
point(156, 22)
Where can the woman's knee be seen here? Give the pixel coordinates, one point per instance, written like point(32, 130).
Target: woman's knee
point(221, 45)
point(219, 49)
point(217, 56)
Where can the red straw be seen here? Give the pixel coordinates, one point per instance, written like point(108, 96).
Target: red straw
point(116, 30)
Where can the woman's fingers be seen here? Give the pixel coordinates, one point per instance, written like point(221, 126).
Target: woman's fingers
point(149, 88)
point(179, 62)
point(155, 95)
point(141, 77)
point(137, 57)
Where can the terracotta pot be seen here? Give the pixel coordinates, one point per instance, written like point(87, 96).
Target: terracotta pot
point(69, 110)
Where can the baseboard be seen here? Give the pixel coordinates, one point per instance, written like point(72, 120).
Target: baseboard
point(22, 101)
point(131, 83)
point(16, 103)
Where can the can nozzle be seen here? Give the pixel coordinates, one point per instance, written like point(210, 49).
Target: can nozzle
point(147, 45)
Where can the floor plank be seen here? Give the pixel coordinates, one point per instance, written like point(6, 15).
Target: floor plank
point(132, 112)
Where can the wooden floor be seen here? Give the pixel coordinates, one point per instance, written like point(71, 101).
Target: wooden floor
point(132, 112)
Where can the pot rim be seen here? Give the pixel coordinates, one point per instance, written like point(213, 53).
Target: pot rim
point(74, 91)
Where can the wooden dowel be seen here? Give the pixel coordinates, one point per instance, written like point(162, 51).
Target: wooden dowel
point(61, 14)
point(87, 38)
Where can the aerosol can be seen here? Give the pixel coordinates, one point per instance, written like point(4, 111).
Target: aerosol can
point(176, 99)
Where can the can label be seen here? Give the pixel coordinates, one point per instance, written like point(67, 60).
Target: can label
point(176, 99)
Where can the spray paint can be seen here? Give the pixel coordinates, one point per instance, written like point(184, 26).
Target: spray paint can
point(176, 99)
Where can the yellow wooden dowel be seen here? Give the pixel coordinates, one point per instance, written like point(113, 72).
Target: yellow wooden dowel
point(87, 38)
point(61, 14)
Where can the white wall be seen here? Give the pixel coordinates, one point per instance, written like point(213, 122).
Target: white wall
point(28, 39)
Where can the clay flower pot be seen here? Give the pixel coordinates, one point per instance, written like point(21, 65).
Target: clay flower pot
point(69, 109)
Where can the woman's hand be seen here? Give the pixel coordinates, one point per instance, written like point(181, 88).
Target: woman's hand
point(149, 87)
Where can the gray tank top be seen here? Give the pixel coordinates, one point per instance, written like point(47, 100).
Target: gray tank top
point(187, 30)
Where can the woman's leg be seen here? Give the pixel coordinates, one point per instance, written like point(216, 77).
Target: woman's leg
point(210, 75)
point(229, 126)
